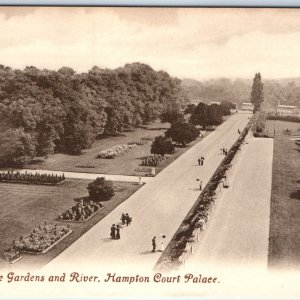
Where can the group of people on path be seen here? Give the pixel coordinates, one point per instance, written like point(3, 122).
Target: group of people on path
point(201, 161)
point(115, 232)
point(224, 151)
point(115, 229)
point(126, 219)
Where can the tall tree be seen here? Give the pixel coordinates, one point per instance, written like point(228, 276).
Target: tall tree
point(182, 133)
point(257, 93)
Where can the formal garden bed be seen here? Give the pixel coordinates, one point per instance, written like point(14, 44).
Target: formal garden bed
point(81, 212)
point(154, 160)
point(39, 241)
point(31, 178)
point(199, 213)
point(115, 151)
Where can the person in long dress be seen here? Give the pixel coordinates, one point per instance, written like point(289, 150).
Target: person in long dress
point(154, 244)
point(113, 231)
point(118, 233)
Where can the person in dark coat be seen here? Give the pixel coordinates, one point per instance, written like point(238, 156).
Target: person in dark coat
point(153, 244)
point(199, 161)
point(202, 160)
point(123, 218)
point(128, 219)
point(113, 231)
point(118, 232)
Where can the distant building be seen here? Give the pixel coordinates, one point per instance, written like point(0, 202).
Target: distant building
point(247, 106)
point(287, 110)
point(214, 102)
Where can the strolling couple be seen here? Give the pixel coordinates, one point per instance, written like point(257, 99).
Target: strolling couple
point(201, 161)
point(115, 232)
point(162, 245)
point(126, 219)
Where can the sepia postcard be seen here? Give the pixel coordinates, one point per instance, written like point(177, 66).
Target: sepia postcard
point(149, 152)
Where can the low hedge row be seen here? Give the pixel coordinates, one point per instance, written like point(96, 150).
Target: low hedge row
point(275, 117)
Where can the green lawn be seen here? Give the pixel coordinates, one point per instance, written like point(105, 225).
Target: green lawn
point(284, 240)
point(126, 164)
point(280, 126)
point(24, 207)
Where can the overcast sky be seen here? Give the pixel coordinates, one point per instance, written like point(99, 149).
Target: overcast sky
point(187, 43)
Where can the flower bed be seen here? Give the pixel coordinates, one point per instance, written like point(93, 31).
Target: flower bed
point(86, 165)
point(40, 240)
point(153, 160)
point(147, 138)
point(11, 255)
point(139, 143)
point(141, 169)
point(81, 212)
point(115, 151)
point(31, 178)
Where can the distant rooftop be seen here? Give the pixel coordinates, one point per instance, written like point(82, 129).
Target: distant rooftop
point(286, 106)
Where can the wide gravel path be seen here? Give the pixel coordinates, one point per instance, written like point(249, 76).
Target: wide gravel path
point(157, 208)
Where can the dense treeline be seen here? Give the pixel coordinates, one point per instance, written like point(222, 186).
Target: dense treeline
point(283, 91)
point(44, 111)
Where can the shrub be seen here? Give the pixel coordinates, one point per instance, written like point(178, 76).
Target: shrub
point(259, 124)
point(162, 145)
point(183, 133)
point(100, 189)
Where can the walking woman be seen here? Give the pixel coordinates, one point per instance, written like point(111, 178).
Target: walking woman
point(113, 231)
point(118, 233)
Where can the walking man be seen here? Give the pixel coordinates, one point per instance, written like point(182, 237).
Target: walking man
point(153, 244)
point(202, 160)
point(128, 219)
point(199, 161)
point(123, 218)
point(200, 185)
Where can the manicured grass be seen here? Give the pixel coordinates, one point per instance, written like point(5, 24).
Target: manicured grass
point(24, 207)
point(280, 126)
point(284, 240)
point(126, 164)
